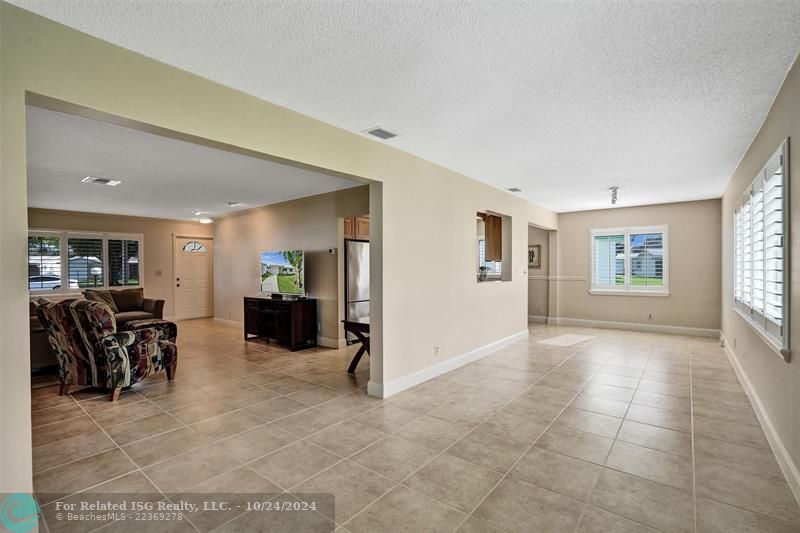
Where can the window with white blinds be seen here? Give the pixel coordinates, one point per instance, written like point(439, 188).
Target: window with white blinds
point(68, 261)
point(632, 260)
point(760, 248)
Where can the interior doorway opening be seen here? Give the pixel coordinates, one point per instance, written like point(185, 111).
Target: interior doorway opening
point(539, 275)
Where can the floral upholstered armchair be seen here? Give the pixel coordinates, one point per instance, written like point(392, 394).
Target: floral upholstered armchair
point(91, 352)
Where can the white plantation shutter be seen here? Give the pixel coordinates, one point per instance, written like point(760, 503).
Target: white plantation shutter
point(760, 252)
point(737, 254)
point(609, 260)
point(774, 246)
point(746, 253)
point(757, 246)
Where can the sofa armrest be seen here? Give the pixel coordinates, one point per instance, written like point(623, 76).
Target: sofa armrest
point(168, 330)
point(115, 346)
point(154, 306)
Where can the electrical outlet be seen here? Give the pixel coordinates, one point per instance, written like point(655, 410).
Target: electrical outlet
point(435, 350)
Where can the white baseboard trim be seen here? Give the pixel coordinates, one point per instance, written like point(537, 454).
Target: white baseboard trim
point(537, 319)
point(226, 322)
point(388, 389)
point(634, 326)
point(785, 462)
point(331, 343)
point(375, 389)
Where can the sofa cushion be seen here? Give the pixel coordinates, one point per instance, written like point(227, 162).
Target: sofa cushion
point(129, 299)
point(126, 316)
point(103, 296)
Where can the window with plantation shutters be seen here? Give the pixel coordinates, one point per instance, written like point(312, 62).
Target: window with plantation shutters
point(760, 225)
point(68, 261)
point(609, 260)
point(123, 262)
point(630, 260)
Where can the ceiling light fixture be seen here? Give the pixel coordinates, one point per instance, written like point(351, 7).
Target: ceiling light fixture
point(614, 190)
point(514, 189)
point(203, 218)
point(234, 204)
point(380, 133)
point(101, 181)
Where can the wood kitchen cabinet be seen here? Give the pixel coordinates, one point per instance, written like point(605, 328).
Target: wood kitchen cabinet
point(357, 227)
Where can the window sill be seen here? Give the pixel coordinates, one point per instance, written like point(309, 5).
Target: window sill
point(603, 292)
point(771, 343)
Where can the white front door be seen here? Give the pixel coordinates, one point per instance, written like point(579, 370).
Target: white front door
point(193, 278)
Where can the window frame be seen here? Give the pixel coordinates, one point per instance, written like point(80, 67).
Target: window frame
point(64, 236)
point(627, 289)
point(774, 335)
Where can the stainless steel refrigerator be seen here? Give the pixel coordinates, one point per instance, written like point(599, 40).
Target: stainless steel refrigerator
point(356, 265)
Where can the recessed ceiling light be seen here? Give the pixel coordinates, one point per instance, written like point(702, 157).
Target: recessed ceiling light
point(101, 181)
point(202, 217)
point(234, 204)
point(380, 133)
point(514, 189)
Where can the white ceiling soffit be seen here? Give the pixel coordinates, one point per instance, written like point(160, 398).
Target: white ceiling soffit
point(562, 99)
point(161, 177)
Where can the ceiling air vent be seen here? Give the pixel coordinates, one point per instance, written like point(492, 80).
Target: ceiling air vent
point(101, 181)
point(514, 189)
point(381, 133)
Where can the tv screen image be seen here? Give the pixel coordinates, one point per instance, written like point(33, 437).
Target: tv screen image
point(282, 272)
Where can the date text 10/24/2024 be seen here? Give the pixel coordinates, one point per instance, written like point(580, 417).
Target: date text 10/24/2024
point(184, 506)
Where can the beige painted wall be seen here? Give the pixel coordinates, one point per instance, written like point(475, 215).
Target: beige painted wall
point(420, 210)
point(538, 284)
point(694, 266)
point(776, 382)
point(310, 224)
point(158, 254)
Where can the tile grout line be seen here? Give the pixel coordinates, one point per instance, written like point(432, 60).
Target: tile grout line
point(527, 450)
point(444, 451)
point(137, 469)
point(140, 470)
point(360, 413)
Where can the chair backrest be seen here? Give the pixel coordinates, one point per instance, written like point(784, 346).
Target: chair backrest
point(76, 329)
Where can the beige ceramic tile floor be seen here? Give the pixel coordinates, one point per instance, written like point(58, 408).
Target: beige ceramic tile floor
point(590, 431)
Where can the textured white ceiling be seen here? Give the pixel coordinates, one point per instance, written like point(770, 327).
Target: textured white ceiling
point(161, 177)
point(563, 99)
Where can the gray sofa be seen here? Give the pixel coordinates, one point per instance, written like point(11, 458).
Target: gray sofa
point(127, 304)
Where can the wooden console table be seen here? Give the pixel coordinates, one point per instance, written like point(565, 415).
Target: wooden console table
point(292, 323)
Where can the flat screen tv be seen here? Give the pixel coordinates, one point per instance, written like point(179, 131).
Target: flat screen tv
point(283, 272)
